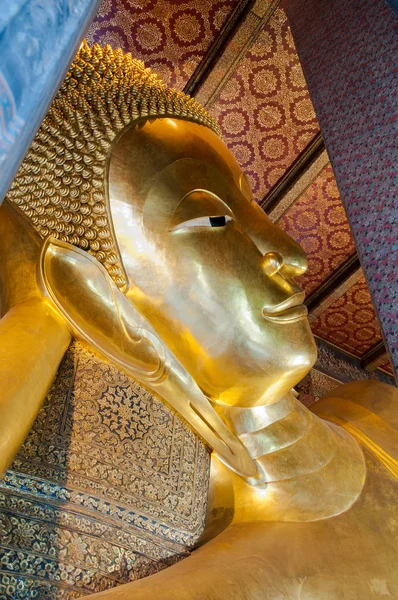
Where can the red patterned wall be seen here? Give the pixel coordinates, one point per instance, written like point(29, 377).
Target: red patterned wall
point(350, 323)
point(318, 222)
point(264, 109)
point(170, 36)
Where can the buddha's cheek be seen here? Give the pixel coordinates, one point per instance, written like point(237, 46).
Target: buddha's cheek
point(237, 361)
point(260, 366)
point(206, 302)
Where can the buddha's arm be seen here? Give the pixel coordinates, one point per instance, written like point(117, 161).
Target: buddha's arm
point(33, 339)
point(368, 410)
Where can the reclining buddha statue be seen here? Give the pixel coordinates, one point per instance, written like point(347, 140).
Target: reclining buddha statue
point(152, 333)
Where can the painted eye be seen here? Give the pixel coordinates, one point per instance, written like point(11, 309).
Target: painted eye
point(219, 221)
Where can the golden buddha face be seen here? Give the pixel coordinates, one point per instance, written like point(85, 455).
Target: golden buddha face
point(205, 266)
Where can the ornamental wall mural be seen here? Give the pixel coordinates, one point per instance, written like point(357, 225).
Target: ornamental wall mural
point(109, 486)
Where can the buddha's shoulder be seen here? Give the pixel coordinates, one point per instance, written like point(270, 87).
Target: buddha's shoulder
point(368, 410)
point(365, 397)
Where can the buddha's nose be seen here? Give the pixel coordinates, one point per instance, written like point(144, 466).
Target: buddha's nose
point(271, 263)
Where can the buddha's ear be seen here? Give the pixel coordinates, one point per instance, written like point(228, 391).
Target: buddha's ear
point(97, 312)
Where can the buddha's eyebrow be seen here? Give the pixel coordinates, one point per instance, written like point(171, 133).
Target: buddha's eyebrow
point(206, 196)
point(172, 188)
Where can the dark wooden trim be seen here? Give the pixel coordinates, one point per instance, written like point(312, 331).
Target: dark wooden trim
point(293, 174)
point(371, 358)
point(333, 282)
point(343, 366)
point(217, 48)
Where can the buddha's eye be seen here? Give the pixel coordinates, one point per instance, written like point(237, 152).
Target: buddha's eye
point(219, 221)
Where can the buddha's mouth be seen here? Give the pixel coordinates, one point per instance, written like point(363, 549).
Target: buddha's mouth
point(291, 309)
point(290, 314)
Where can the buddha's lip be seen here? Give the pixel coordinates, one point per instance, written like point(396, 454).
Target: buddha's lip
point(290, 309)
point(293, 313)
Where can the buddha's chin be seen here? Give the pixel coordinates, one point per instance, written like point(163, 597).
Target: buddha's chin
point(265, 384)
point(254, 389)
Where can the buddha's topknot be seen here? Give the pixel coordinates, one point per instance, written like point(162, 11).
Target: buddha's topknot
point(60, 186)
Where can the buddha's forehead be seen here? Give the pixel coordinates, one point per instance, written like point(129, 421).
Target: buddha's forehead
point(152, 166)
point(162, 141)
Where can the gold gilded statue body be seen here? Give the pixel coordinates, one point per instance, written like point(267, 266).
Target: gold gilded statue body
point(141, 240)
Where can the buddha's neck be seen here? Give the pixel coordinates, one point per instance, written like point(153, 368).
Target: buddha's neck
point(284, 437)
point(313, 469)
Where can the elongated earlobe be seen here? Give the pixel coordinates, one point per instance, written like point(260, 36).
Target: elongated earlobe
point(98, 313)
